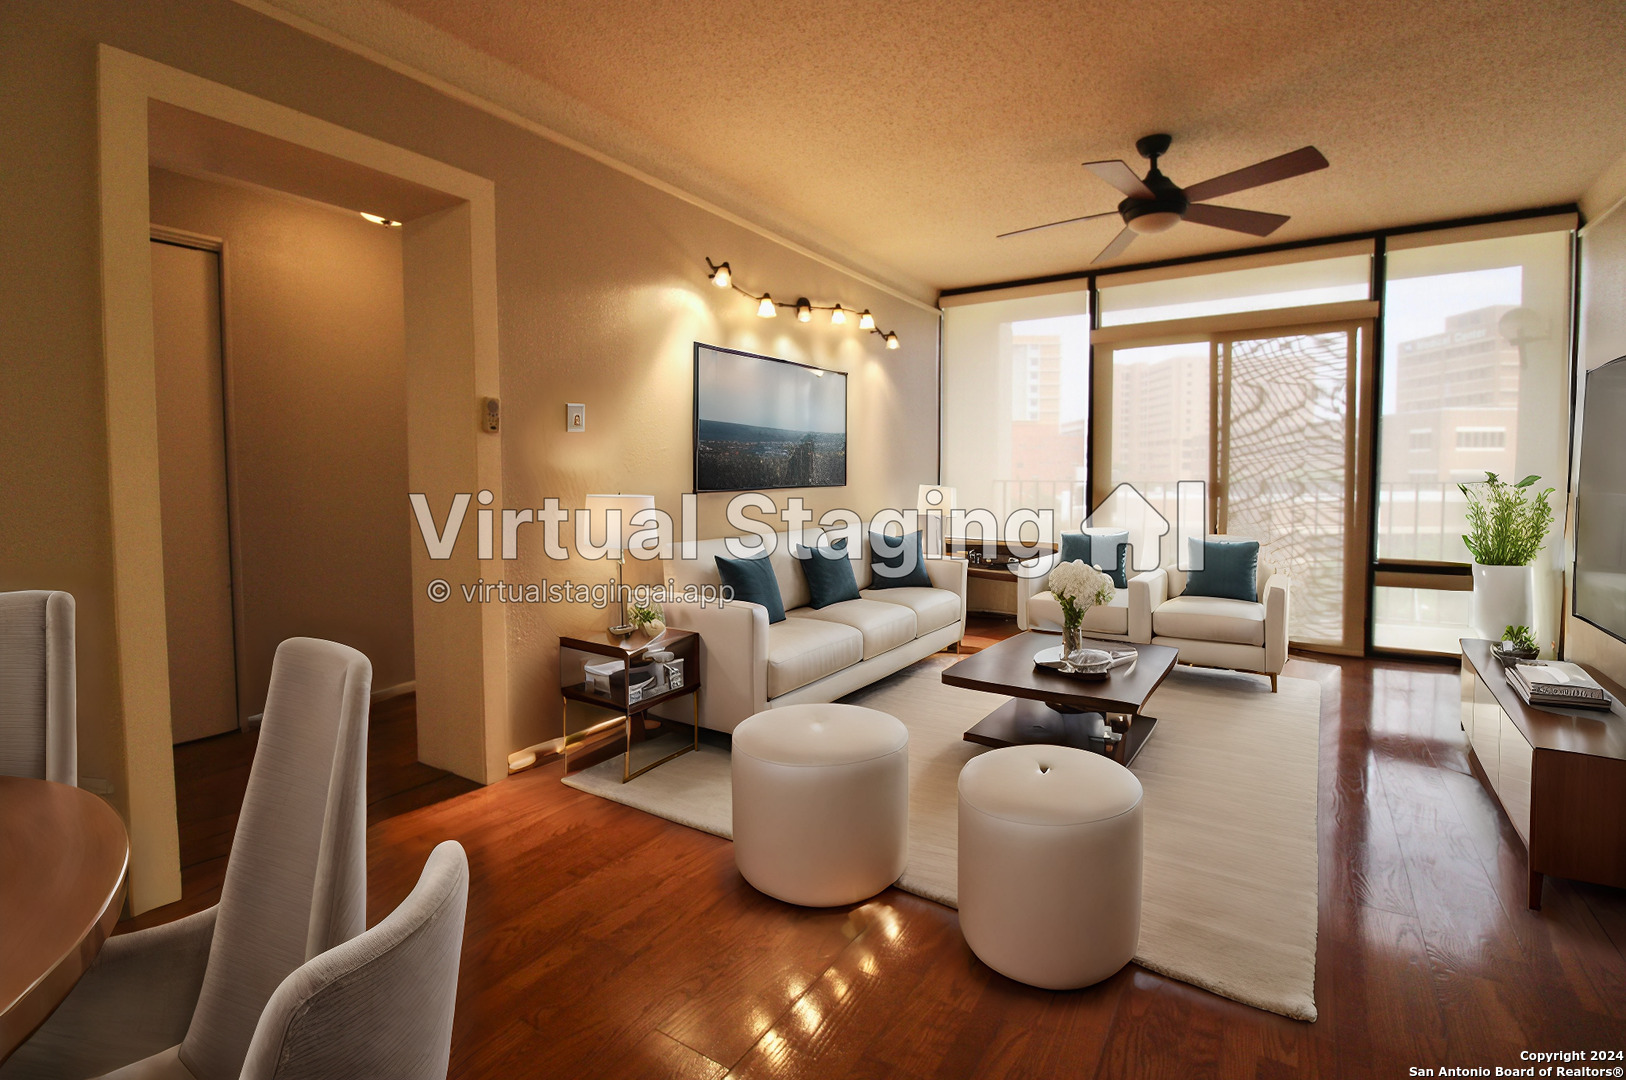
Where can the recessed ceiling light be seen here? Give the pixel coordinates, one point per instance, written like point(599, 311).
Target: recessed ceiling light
point(388, 223)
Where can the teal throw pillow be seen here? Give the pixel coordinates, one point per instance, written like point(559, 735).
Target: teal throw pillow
point(1109, 551)
point(829, 573)
point(1230, 570)
point(752, 580)
point(897, 562)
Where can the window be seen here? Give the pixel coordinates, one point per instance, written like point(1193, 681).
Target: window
point(1475, 377)
point(1016, 404)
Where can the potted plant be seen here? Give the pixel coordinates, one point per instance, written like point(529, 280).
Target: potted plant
point(647, 619)
point(1077, 587)
point(1519, 643)
point(1507, 525)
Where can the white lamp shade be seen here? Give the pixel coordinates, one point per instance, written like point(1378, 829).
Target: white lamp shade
point(615, 531)
point(925, 503)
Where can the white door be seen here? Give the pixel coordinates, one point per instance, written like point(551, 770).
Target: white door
point(192, 490)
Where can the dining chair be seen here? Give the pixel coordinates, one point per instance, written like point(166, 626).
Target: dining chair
point(181, 1001)
point(380, 1004)
point(37, 712)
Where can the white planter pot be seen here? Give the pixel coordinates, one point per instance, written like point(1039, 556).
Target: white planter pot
point(1504, 596)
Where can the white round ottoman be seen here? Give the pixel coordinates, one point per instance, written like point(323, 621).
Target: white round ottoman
point(1050, 864)
point(821, 802)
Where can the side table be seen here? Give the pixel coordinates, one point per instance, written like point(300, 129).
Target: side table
point(624, 692)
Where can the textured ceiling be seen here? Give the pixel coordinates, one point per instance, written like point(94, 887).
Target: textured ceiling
point(906, 135)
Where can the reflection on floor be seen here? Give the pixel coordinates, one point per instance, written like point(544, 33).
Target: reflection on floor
point(605, 942)
point(211, 775)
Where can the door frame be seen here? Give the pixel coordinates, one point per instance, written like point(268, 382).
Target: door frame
point(1360, 317)
point(460, 650)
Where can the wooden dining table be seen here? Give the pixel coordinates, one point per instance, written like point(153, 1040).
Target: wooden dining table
point(63, 858)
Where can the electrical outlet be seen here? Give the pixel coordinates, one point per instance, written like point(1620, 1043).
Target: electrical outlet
point(575, 417)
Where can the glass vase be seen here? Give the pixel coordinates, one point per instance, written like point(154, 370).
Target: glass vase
point(1072, 636)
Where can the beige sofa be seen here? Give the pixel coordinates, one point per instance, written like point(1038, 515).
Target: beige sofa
point(1209, 631)
point(813, 655)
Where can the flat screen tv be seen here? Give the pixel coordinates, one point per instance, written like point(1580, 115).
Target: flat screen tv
point(761, 422)
point(1600, 502)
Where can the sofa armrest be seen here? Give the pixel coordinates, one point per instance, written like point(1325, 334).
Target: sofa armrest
point(1277, 599)
point(733, 657)
point(1031, 576)
point(950, 575)
point(136, 999)
point(1146, 593)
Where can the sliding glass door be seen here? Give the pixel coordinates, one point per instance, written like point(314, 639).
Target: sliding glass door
point(1287, 451)
point(1273, 420)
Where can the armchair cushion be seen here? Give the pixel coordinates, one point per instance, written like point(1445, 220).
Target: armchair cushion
point(803, 650)
point(1105, 548)
point(1210, 618)
point(1044, 613)
point(1230, 570)
point(884, 626)
point(753, 581)
point(933, 608)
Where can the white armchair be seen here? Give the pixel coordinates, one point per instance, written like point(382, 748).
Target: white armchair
point(1037, 609)
point(1212, 631)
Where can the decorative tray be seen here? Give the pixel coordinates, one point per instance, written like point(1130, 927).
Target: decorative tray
point(1095, 663)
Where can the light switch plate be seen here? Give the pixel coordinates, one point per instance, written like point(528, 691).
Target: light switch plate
point(575, 417)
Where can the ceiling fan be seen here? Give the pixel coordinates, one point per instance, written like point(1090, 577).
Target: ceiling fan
point(1157, 204)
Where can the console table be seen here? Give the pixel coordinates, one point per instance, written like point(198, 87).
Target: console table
point(1560, 779)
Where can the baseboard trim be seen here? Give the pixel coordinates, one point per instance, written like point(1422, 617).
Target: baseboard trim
point(398, 690)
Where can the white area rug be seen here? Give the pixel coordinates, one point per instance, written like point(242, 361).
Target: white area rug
point(1229, 895)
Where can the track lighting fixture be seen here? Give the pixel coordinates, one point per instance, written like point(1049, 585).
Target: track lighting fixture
point(722, 276)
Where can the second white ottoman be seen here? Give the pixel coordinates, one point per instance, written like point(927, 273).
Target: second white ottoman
point(821, 802)
point(1050, 864)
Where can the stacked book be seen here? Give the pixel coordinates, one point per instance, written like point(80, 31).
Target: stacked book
point(1556, 683)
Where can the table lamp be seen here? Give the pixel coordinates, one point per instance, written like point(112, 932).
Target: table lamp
point(616, 530)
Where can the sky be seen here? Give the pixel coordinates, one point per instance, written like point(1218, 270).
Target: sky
point(738, 389)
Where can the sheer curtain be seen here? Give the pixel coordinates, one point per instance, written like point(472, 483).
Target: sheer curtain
point(1016, 405)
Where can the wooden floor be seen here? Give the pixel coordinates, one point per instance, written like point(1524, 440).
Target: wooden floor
point(605, 942)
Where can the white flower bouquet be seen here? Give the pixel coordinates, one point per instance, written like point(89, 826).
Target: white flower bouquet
point(1077, 587)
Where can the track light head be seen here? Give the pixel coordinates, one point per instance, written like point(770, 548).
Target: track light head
point(866, 321)
point(839, 315)
point(766, 308)
point(721, 275)
point(804, 310)
point(891, 340)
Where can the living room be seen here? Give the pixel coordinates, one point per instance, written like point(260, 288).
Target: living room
point(566, 353)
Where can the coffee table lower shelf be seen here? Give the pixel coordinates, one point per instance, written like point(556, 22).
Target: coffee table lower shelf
point(1024, 722)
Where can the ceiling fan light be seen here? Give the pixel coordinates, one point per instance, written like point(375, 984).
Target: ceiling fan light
point(1154, 222)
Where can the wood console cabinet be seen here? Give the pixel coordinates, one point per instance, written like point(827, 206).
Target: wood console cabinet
point(1560, 779)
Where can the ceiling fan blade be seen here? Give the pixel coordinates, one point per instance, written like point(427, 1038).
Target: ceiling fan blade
point(1251, 222)
point(1120, 176)
point(1304, 160)
point(1053, 224)
point(1116, 248)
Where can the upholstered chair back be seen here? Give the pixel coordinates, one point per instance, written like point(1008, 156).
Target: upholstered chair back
point(1177, 576)
point(296, 879)
point(381, 1004)
point(38, 722)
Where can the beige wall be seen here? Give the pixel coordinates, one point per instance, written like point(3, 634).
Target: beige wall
point(1603, 337)
point(601, 294)
point(317, 363)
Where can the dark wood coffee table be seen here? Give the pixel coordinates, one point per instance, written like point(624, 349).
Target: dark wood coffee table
point(1059, 710)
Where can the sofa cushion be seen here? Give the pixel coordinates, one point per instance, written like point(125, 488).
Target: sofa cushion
point(1105, 549)
point(802, 650)
point(933, 608)
point(829, 572)
point(1230, 570)
point(884, 626)
point(1044, 613)
point(1210, 618)
point(753, 581)
point(897, 562)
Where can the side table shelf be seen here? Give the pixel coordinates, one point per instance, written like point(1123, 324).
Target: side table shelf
point(624, 694)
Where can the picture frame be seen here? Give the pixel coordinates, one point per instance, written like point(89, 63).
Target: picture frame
point(762, 423)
